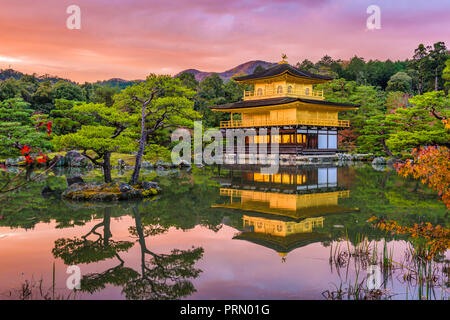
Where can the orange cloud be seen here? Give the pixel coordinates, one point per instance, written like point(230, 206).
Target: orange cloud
point(130, 39)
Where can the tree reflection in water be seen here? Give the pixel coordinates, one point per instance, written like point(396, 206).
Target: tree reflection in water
point(162, 276)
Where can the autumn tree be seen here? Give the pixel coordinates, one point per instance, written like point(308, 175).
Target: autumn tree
point(431, 166)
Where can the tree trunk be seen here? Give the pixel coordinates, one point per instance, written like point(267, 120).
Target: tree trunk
point(436, 79)
point(137, 166)
point(107, 167)
point(28, 172)
point(386, 149)
point(385, 179)
point(107, 226)
point(140, 232)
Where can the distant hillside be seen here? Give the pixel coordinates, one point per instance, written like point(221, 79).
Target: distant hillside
point(114, 82)
point(245, 68)
point(11, 73)
point(117, 82)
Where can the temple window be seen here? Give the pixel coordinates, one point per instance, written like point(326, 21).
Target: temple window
point(301, 138)
point(290, 89)
point(287, 138)
point(307, 91)
point(279, 89)
point(259, 92)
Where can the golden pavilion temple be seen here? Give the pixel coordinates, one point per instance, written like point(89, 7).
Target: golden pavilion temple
point(284, 97)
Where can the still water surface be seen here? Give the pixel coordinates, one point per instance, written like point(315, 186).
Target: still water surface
point(216, 233)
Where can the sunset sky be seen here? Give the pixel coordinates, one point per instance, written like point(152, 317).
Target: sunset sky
point(132, 38)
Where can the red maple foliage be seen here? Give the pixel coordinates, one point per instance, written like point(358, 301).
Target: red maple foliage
point(25, 149)
point(347, 139)
point(432, 166)
point(49, 128)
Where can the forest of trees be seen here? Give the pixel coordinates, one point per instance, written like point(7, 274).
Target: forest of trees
point(404, 105)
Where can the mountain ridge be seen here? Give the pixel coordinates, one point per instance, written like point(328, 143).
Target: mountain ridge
point(244, 68)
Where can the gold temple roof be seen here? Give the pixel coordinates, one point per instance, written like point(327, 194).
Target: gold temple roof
point(283, 244)
point(283, 69)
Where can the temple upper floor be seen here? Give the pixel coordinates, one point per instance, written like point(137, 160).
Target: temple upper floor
point(283, 89)
point(283, 96)
point(283, 80)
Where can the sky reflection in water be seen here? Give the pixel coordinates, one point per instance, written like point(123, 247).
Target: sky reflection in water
point(263, 237)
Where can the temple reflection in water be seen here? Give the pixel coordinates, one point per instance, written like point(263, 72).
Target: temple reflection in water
point(283, 211)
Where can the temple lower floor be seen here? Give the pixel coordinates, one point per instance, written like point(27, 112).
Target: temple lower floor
point(293, 141)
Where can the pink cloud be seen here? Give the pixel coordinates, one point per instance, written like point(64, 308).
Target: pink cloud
point(130, 39)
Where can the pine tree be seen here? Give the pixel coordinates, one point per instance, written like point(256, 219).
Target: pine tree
point(110, 134)
point(18, 129)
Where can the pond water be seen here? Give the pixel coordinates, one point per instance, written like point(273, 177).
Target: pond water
point(220, 233)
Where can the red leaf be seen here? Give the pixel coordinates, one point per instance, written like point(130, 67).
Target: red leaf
point(25, 149)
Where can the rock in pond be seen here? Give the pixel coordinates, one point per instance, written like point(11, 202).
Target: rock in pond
point(378, 161)
point(391, 161)
point(161, 163)
point(85, 191)
point(121, 163)
point(74, 179)
point(149, 185)
point(125, 187)
point(47, 191)
point(14, 161)
point(74, 159)
point(184, 164)
point(147, 165)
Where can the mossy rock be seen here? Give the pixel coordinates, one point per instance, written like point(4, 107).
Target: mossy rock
point(107, 192)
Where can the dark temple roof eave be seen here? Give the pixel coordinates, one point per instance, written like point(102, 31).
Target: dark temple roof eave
point(277, 101)
point(280, 69)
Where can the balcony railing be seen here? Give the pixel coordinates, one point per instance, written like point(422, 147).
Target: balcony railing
point(273, 123)
point(285, 92)
point(339, 194)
